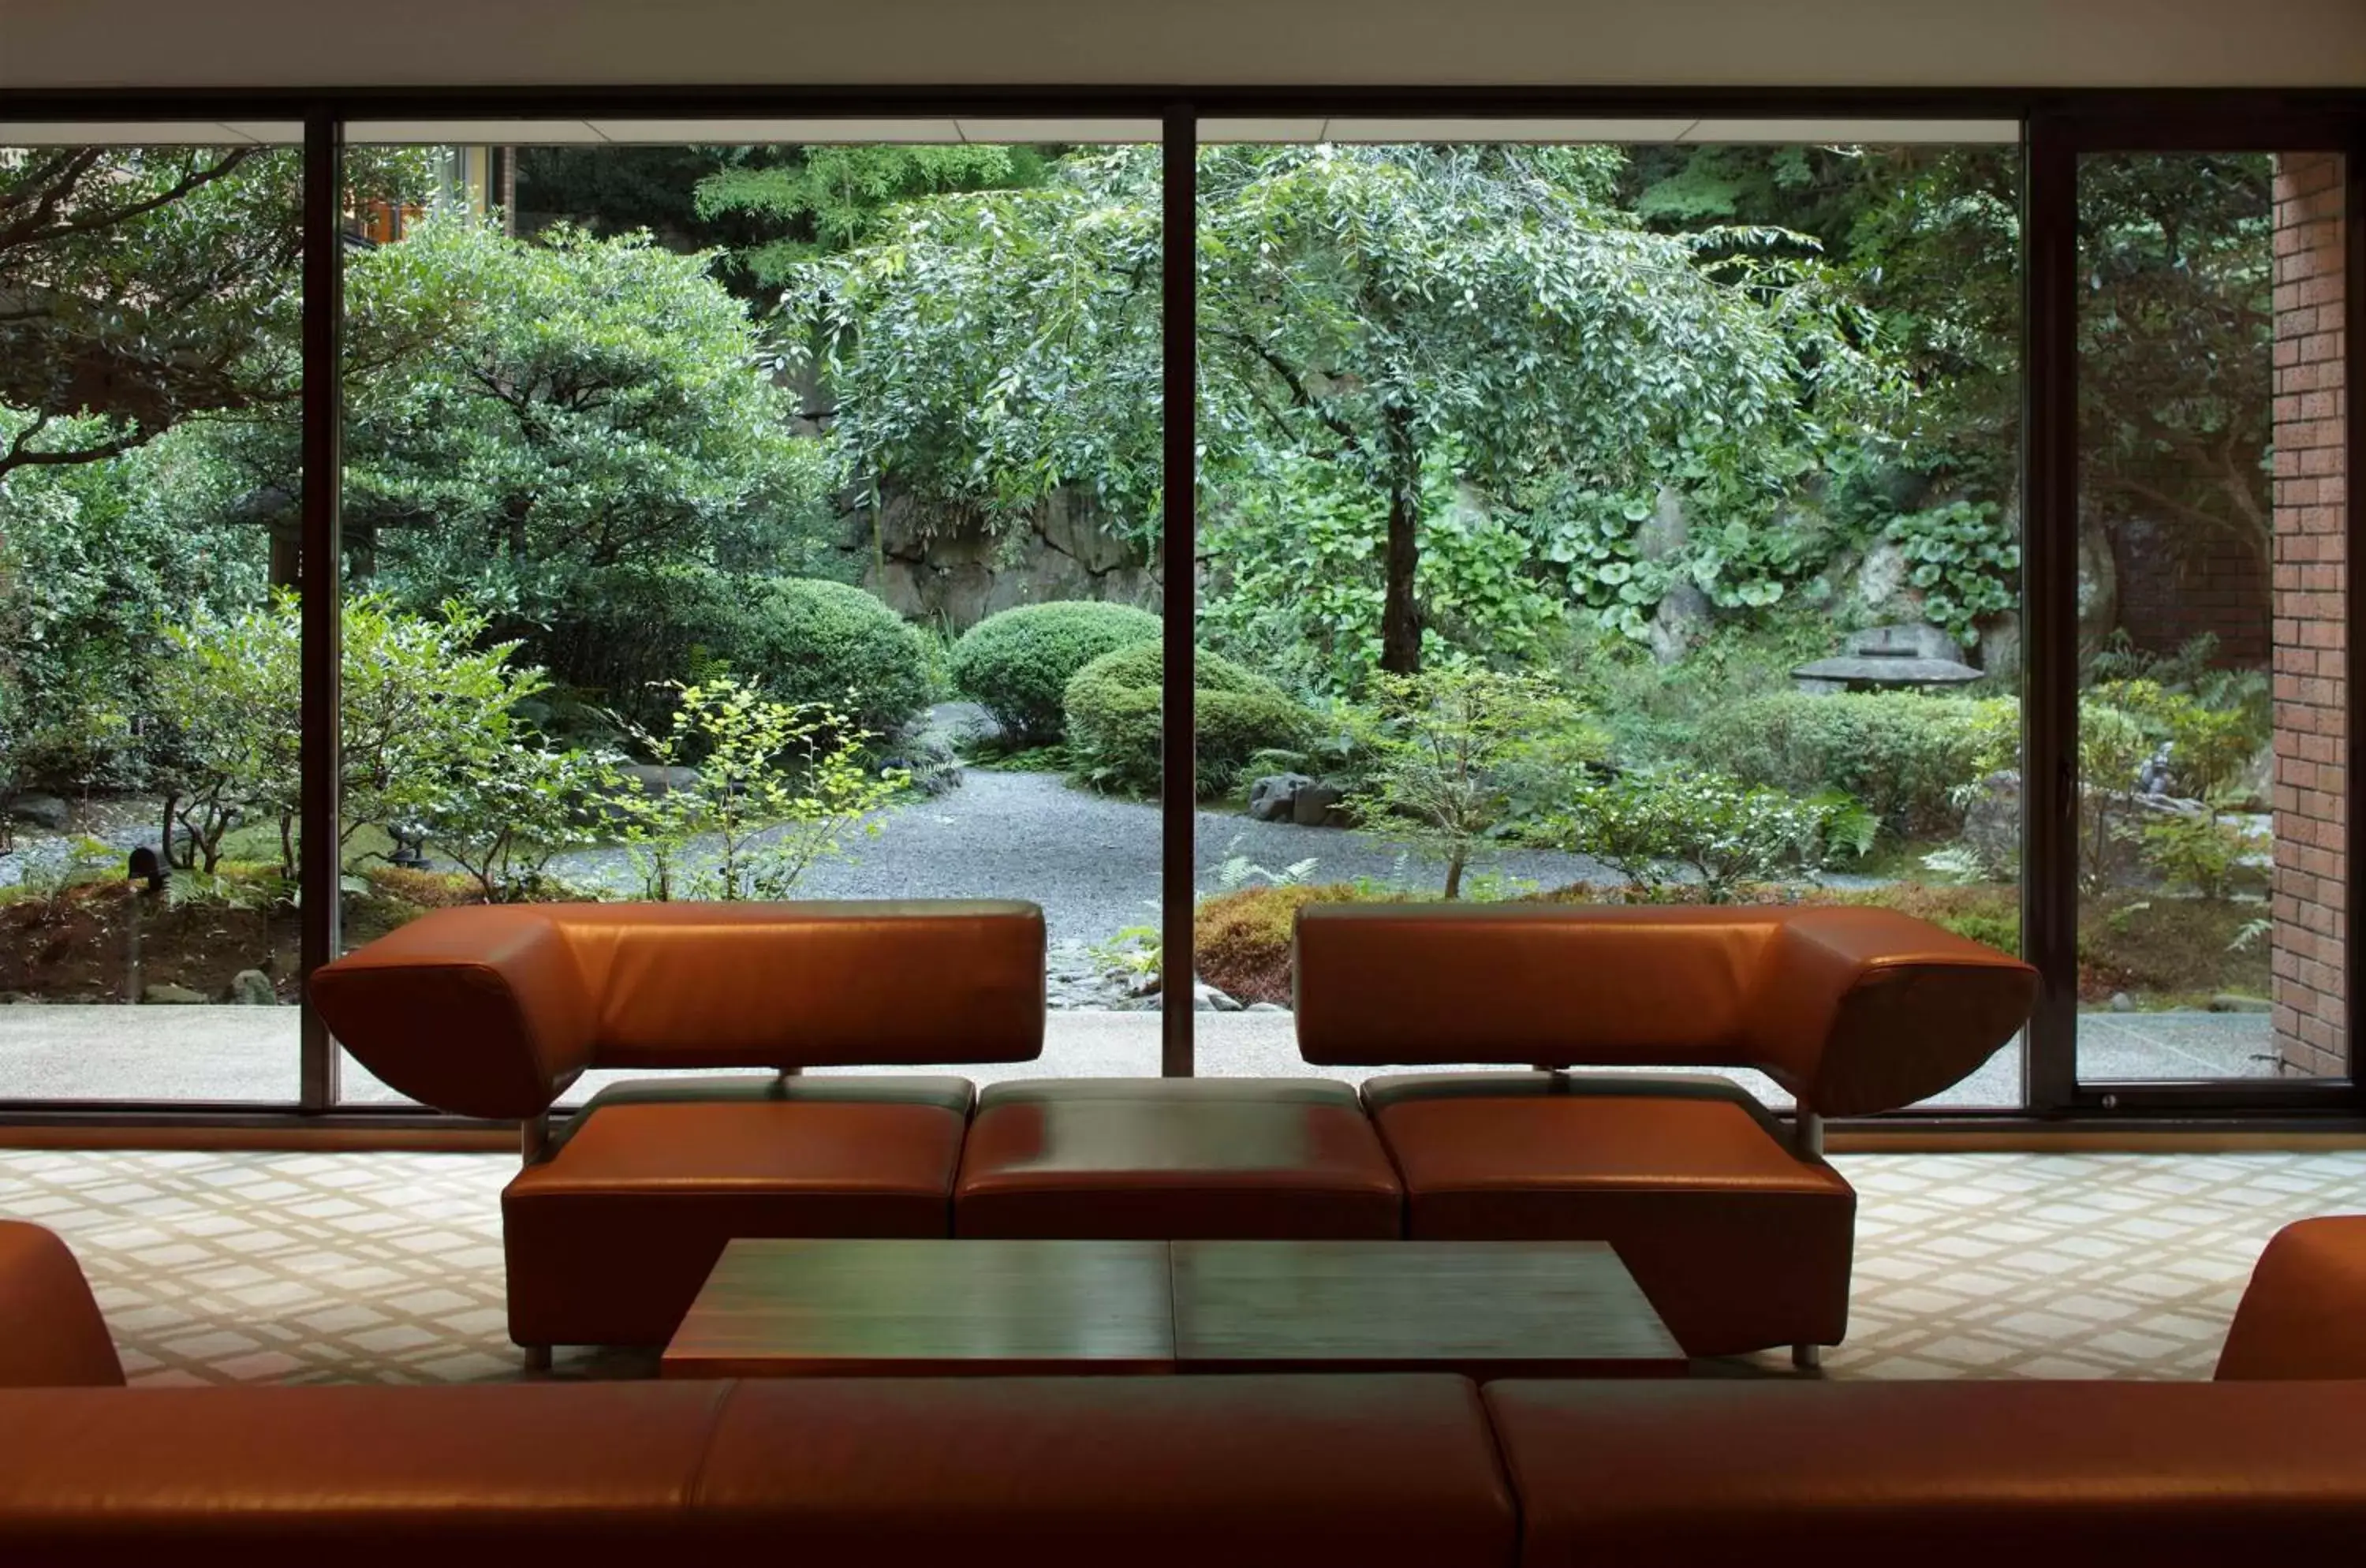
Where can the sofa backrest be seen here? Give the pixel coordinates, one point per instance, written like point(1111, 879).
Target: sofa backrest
point(493, 1011)
point(1844, 1474)
point(1850, 1009)
point(1356, 1471)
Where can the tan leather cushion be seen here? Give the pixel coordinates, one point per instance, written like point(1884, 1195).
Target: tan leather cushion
point(1148, 1473)
point(1850, 1009)
point(609, 1241)
point(491, 1011)
point(1945, 1474)
point(1173, 1159)
point(2304, 1314)
point(347, 1475)
point(51, 1332)
point(1739, 1244)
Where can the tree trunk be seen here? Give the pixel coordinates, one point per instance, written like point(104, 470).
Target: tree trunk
point(1400, 616)
point(287, 561)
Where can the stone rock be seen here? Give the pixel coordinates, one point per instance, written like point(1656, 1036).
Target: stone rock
point(930, 758)
point(1677, 624)
point(1265, 1006)
point(1272, 798)
point(2227, 1001)
point(42, 811)
point(252, 987)
point(1880, 588)
point(1992, 823)
point(1206, 999)
point(1665, 532)
point(2098, 583)
point(1905, 639)
point(2256, 785)
point(171, 995)
point(2123, 1002)
point(2000, 647)
point(653, 780)
point(1316, 804)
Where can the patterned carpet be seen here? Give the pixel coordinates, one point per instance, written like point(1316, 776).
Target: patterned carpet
point(347, 1267)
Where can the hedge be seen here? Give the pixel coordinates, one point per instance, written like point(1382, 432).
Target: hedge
point(1017, 665)
point(1902, 754)
point(1114, 706)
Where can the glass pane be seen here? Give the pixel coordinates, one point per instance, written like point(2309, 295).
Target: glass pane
point(2212, 846)
point(733, 521)
point(149, 297)
point(1607, 523)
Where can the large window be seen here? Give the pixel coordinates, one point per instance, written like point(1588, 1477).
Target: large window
point(746, 518)
point(1942, 514)
point(1607, 522)
point(150, 294)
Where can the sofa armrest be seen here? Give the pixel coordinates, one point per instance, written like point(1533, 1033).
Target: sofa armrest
point(51, 1335)
point(481, 1011)
point(2304, 1315)
point(1861, 1009)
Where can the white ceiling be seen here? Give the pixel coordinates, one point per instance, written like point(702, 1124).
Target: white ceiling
point(741, 132)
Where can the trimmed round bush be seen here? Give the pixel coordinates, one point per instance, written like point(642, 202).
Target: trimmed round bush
point(1114, 709)
point(1017, 665)
point(627, 630)
point(1901, 754)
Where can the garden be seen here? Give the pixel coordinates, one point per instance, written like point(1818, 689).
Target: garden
point(758, 523)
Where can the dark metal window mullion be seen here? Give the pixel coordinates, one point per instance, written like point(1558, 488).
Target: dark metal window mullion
point(1177, 555)
point(321, 633)
point(2049, 675)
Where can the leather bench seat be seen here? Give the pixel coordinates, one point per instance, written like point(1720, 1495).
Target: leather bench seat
point(610, 1238)
point(1175, 1159)
point(2305, 1314)
point(1739, 1244)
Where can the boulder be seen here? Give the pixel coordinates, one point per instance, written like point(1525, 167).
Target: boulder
point(1317, 804)
point(930, 758)
point(1880, 588)
point(1677, 624)
point(653, 780)
point(1206, 999)
point(2000, 647)
point(1273, 797)
point(42, 811)
point(252, 987)
point(1992, 823)
point(171, 995)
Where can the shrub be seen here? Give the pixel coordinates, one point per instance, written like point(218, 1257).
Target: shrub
point(1459, 753)
point(1713, 831)
point(628, 632)
point(1113, 711)
point(1017, 665)
point(1900, 753)
point(780, 788)
point(1241, 939)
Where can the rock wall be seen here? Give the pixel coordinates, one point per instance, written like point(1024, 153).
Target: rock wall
point(948, 572)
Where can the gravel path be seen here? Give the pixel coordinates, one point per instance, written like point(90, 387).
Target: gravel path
point(1091, 861)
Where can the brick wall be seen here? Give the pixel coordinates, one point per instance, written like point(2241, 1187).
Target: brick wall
point(2174, 587)
point(2312, 849)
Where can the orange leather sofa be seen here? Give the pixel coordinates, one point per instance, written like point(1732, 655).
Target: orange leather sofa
point(614, 1222)
point(1304, 1471)
point(1741, 1236)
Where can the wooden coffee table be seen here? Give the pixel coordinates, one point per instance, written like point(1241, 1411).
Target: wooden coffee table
point(908, 1307)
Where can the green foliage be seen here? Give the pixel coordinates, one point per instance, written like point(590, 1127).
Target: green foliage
point(595, 402)
point(2209, 747)
point(1484, 314)
point(1703, 829)
point(1966, 559)
point(1457, 754)
point(2113, 746)
point(1905, 755)
point(781, 788)
point(1017, 665)
point(520, 802)
point(810, 201)
point(1300, 590)
point(430, 715)
point(145, 284)
point(632, 630)
point(1114, 706)
point(2198, 852)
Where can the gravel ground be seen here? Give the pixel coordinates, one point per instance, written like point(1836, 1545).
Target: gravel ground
point(1091, 861)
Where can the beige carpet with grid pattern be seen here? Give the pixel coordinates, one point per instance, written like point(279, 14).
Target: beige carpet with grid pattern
point(240, 1268)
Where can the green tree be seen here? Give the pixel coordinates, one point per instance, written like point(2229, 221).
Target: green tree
point(144, 285)
point(811, 201)
point(1364, 307)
